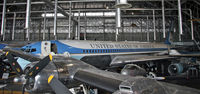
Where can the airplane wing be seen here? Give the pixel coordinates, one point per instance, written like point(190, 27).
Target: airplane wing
point(120, 84)
point(123, 60)
point(186, 55)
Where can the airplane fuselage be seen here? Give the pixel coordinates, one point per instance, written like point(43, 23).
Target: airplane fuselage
point(79, 49)
point(96, 53)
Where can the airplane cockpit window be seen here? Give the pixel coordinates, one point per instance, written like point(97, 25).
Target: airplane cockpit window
point(29, 50)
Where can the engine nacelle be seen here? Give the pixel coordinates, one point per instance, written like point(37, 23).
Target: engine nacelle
point(133, 70)
point(177, 68)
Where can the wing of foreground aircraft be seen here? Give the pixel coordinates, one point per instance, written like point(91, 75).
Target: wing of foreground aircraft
point(123, 60)
point(68, 73)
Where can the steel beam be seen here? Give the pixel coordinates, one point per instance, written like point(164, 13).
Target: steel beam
point(67, 1)
point(79, 24)
point(44, 26)
point(154, 25)
point(85, 25)
point(13, 29)
point(3, 19)
point(55, 20)
point(66, 14)
point(148, 38)
point(28, 14)
point(95, 10)
point(163, 18)
point(70, 18)
point(180, 18)
point(192, 27)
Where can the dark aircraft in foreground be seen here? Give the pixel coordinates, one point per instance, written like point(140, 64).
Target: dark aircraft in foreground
point(58, 74)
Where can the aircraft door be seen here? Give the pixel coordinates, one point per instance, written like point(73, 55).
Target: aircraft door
point(45, 48)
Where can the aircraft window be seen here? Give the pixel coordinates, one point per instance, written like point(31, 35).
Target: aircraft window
point(86, 51)
point(104, 51)
point(98, 51)
point(92, 51)
point(53, 48)
point(83, 51)
point(101, 51)
point(33, 50)
point(95, 51)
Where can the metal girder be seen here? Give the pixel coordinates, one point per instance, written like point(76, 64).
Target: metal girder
point(95, 10)
point(67, 1)
point(62, 11)
point(183, 1)
point(197, 2)
point(183, 11)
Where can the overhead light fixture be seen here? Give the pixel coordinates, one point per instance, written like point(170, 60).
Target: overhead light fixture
point(122, 4)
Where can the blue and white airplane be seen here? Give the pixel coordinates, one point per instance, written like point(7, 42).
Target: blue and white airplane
point(109, 54)
point(106, 49)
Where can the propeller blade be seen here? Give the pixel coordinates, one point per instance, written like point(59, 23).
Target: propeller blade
point(38, 67)
point(14, 64)
point(57, 86)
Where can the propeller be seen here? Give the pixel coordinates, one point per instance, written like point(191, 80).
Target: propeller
point(32, 72)
point(14, 64)
point(57, 86)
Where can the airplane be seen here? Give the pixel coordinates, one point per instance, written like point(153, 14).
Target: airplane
point(109, 55)
point(59, 73)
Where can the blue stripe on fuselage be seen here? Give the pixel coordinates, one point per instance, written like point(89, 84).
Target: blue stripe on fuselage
point(72, 50)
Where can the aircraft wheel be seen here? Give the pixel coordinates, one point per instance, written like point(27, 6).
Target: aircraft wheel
point(151, 75)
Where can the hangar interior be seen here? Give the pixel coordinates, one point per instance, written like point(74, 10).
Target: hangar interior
point(144, 21)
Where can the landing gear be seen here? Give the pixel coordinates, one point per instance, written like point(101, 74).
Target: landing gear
point(151, 75)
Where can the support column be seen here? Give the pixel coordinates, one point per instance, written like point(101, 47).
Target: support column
point(163, 18)
point(13, 29)
point(3, 20)
point(154, 25)
point(55, 20)
point(28, 14)
point(85, 27)
point(79, 24)
point(118, 22)
point(70, 19)
point(148, 38)
point(192, 26)
point(44, 25)
point(180, 20)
